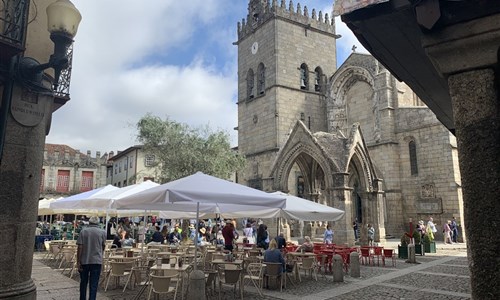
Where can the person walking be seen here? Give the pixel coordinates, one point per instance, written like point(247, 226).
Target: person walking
point(91, 243)
point(447, 232)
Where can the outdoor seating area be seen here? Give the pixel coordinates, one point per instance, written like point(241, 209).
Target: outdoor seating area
point(151, 270)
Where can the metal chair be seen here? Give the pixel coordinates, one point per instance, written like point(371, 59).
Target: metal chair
point(118, 270)
point(162, 285)
point(275, 270)
point(307, 264)
point(229, 277)
point(254, 275)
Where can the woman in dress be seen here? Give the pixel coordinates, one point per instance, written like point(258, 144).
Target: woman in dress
point(328, 238)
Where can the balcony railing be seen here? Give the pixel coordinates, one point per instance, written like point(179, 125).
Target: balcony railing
point(13, 23)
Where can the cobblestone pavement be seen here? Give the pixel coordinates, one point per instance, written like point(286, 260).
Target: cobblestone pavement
point(444, 275)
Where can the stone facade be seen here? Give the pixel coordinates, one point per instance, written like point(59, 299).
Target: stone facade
point(130, 166)
point(353, 138)
point(66, 171)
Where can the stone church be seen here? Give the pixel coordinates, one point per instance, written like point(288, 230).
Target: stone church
point(352, 137)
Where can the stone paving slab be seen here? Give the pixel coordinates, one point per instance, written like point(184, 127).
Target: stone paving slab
point(437, 276)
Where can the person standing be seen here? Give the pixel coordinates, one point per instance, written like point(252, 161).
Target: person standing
point(454, 230)
point(355, 228)
point(328, 238)
point(228, 234)
point(91, 243)
point(371, 235)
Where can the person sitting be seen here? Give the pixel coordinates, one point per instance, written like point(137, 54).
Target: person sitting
point(273, 254)
point(117, 243)
point(307, 245)
point(280, 240)
point(126, 240)
point(174, 237)
point(157, 237)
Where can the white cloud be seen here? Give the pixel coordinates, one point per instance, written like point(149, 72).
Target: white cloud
point(114, 83)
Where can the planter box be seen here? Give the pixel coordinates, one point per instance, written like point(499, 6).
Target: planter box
point(430, 247)
point(419, 249)
point(403, 252)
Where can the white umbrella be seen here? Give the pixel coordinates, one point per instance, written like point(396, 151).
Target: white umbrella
point(307, 210)
point(44, 207)
point(203, 189)
point(75, 205)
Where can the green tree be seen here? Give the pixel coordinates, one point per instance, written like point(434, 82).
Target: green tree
point(181, 150)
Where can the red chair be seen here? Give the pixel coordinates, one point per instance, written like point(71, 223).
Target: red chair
point(389, 254)
point(377, 253)
point(366, 257)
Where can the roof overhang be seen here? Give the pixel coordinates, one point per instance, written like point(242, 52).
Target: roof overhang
point(393, 33)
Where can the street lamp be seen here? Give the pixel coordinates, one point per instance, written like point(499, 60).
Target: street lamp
point(62, 22)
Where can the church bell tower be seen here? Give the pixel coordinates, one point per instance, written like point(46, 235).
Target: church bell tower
point(285, 55)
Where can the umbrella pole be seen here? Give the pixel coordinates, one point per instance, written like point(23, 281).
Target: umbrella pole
point(106, 223)
point(50, 225)
point(196, 236)
point(74, 229)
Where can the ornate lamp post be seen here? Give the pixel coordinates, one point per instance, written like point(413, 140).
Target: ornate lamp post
point(27, 103)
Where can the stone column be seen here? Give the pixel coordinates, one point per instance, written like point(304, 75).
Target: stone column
point(341, 197)
point(476, 110)
point(467, 54)
point(20, 172)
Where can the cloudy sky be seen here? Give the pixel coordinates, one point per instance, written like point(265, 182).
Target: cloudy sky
point(170, 58)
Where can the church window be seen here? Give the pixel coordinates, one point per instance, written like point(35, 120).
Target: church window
point(318, 78)
point(149, 160)
point(250, 84)
point(261, 83)
point(304, 77)
point(413, 157)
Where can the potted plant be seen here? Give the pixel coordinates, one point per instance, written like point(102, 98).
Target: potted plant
point(429, 244)
point(403, 247)
point(419, 247)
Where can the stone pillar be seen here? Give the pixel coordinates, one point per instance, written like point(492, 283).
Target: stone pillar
point(476, 110)
point(338, 269)
point(341, 197)
point(467, 54)
point(20, 172)
point(354, 265)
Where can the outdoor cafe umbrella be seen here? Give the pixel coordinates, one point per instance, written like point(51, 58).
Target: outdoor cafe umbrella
point(202, 189)
point(307, 210)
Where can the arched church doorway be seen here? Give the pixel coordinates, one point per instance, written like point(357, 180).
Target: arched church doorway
point(306, 179)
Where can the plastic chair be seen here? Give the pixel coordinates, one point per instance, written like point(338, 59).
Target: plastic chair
point(138, 272)
point(275, 270)
point(366, 257)
point(229, 277)
point(377, 253)
point(389, 253)
point(255, 276)
point(162, 285)
point(307, 264)
point(118, 270)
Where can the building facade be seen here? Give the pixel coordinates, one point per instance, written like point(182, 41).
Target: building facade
point(353, 138)
point(66, 171)
point(130, 166)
